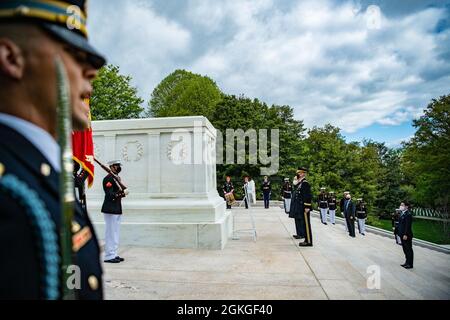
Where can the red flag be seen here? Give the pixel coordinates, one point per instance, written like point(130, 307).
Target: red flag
point(83, 150)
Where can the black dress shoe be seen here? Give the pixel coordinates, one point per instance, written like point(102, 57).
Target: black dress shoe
point(296, 236)
point(407, 266)
point(114, 260)
point(119, 258)
point(305, 244)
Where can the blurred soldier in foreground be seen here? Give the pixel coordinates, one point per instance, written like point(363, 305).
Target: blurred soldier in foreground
point(322, 203)
point(33, 35)
point(301, 207)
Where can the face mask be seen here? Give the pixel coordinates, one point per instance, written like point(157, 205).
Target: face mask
point(347, 197)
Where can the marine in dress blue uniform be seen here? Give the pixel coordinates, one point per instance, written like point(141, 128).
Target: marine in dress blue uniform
point(30, 267)
point(112, 212)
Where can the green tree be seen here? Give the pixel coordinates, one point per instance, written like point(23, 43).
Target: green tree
point(114, 97)
point(426, 159)
point(184, 93)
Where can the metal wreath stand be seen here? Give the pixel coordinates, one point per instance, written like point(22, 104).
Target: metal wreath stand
point(250, 211)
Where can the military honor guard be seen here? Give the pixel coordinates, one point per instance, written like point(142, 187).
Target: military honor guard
point(112, 211)
point(395, 218)
point(349, 214)
point(245, 189)
point(361, 215)
point(406, 235)
point(332, 207)
point(251, 190)
point(301, 207)
point(266, 189)
point(286, 194)
point(37, 46)
point(322, 203)
point(228, 192)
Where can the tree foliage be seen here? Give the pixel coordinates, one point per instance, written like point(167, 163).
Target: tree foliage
point(114, 97)
point(426, 159)
point(183, 93)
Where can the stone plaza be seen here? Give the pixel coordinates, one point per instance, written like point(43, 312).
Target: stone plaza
point(274, 267)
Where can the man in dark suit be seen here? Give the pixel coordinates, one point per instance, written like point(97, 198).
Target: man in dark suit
point(32, 35)
point(112, 209)
point(349, 214)
point(406, 235)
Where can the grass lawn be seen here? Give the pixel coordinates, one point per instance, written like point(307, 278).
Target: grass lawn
point(432, 231)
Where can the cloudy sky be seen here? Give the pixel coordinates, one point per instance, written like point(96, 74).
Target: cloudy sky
point(369, 67)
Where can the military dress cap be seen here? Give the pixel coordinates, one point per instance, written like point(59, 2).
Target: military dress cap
point(286, 179)
point(302, 169)
point(113, 162)
point(65, 20)
point(323, 188)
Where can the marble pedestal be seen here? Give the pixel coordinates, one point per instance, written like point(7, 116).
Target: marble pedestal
point(169, 167)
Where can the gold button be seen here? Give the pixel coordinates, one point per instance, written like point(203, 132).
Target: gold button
point(75, 227)
point(2, 169)
point(45, 169)
point(93, 282)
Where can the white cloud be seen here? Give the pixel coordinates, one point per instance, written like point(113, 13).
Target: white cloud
point(322, 59)
point(144, 44)
point(325, 58)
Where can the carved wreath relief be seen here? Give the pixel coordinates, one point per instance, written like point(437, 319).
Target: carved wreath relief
point(132, 151)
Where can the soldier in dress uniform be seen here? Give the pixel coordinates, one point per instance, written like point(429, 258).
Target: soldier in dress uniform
point(266, 189)
point(112, 212)
point(349, 214)
point(361, 215)
point(301, 207)
point(286, 193)
point(227, 188)
point(33, 34)
point(245, 191)
point(332, 207)
point(322, 203)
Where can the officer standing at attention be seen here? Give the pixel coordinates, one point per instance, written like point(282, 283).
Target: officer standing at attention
point(332, 207)
point(33, 34)
point(228, 190)
point(112, 210)
point(301, 207)
point(286, 193)
point(246, 193)
point(406, 235)
point(349, 213)
point(322, 203)
point(266, 188)
point(361, 215)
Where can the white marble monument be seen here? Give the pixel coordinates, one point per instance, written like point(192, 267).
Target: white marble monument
point(169, 167)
